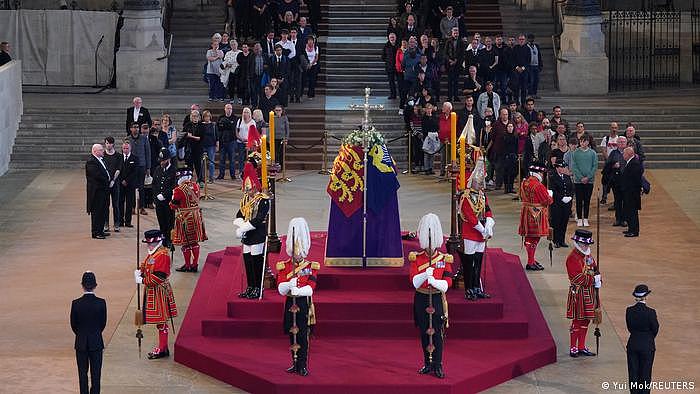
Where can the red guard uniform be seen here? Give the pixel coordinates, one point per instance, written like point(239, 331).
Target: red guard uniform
point(534, 215)
point(442, 270)
point(476, 216)
point(158, 301)
point(580, 304)
point(188, 230)
point(306, 274)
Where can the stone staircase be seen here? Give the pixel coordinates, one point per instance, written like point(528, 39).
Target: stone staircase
point(192, 30)
point(483, 16)
point(356, 36)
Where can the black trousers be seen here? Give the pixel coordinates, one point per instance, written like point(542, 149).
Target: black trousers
point(140, 176)
point(97, 215)
point(393, 79)
point(560, 219)
point(631, 214)
point(279, 147)
point(420, 316)
point(127, 202)
point(113, 196)
point(583, 199)
point(92, 361)
point(253, 269)
point(166, 219)
point(639, 365)
point(302, 321)
point(471, 269)
point(510, 171)
point(618, 204)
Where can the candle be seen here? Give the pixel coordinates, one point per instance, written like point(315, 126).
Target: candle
point(462, 163)
point(272, 136)
point(263, 151)
point(453, 136)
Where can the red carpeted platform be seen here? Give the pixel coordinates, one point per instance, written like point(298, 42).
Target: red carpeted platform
point(365, 340)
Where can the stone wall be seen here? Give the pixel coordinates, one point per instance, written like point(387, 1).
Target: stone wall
point(11, 109)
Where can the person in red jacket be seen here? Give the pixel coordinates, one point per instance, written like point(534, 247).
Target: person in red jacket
point(583, 298)
point(534, 214)
point(188, 230)
point(296, 281)
point(431, 275)
point(477, 227)
point(158, 300)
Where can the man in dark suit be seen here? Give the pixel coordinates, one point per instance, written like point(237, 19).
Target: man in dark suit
point(129, 180)
point(279, 68)
point(268, 44)
point(643, 327)
point(521, 62)
point(562, 187)
point(631, 187)
point(454, 55)
point(137, 114)
point(163, 185)
point(88, 318)
point(98, 180)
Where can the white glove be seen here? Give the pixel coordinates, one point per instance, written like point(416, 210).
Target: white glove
point(419, 279)
point(239, 233)
point(293, 282)
point(238, 222)
point(566, 200)
point(480, 228)
point(137, 276)
point(111, 184)
point(284, 288)
point(429, 272)
point(305, 291)
point(489, 224)
point(439, 284)
point(295, 291)
point(551, 193)
point(246, 226)
point(160, 197)
point(598, 282)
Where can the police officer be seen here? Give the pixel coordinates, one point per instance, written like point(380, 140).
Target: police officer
point(163, 185)
point(561, 186)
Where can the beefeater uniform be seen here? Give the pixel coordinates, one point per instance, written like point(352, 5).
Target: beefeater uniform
point(534, 215)
point(581, 301)
point(188, 230)
point(158, 301)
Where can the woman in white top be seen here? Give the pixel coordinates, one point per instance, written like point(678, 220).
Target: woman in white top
point(229, 68)
point(242, 128)
point(309, 62)
point(214, 60)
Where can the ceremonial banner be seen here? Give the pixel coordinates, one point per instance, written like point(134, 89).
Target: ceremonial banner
point(344, 245)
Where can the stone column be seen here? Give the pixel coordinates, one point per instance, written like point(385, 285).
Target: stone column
point(141, 44)
point(583, 68)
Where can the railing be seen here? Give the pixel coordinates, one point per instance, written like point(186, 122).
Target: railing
point(167, 56)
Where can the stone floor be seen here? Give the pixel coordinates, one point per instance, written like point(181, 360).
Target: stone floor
point(44, 236)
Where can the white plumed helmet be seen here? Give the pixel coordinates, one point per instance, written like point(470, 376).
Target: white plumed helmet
point(429, 226)
point(302, 238)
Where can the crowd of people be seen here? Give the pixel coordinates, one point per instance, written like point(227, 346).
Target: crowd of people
point(426, 43)
point(114, 177)
point(265, 45)
point(497, 79)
